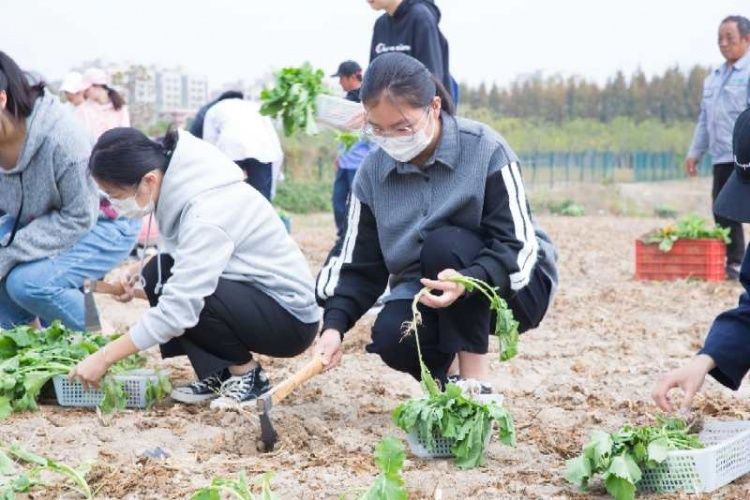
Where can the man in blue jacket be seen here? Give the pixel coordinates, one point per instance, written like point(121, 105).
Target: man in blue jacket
point(726, 352)
point(348, 160)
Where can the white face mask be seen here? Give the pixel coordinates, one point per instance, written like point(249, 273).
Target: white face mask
point(130, 208)
point(405, 148)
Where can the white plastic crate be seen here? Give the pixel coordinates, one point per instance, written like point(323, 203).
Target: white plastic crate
point(336, 112)
point(442, 448)
point(725, 458)
point(134, 383)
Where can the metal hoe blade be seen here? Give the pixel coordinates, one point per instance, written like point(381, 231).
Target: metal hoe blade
point(268, 435)
point(90, 313)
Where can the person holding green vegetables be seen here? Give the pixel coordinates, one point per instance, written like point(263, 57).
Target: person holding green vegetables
point(442, 196)
point(231, 283)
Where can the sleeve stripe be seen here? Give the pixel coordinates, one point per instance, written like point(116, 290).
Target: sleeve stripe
point(524, 230)
point(329, 276)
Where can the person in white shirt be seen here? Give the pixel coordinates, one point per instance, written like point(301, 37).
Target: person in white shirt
point(237, 128)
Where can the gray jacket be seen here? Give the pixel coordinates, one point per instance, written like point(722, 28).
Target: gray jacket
point(216, 226)
point(60, 201)
point(472, 181)
point(725, 95)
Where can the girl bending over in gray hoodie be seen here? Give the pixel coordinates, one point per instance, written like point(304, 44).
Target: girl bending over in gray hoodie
point(231, 282)
point(52, 235)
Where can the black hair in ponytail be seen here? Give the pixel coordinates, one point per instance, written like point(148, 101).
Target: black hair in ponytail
point(21, 94)
point(398, 76)
point(123, 155)
point(114, 97)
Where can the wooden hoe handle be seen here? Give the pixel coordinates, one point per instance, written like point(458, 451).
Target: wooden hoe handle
point(314, 367)
point(113, 289)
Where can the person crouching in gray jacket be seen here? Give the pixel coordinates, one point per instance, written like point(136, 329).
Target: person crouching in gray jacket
point(231, 282)
point(52, 237)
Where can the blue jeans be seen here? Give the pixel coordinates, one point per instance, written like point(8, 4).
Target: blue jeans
point(50, 288)
point(342, 186)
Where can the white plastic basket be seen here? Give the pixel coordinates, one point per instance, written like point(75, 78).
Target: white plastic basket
point(725, 458)
point(134, 383)
point(336, 112)
point(442, 449)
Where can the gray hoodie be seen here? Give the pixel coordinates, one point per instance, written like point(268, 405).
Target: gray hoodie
point(60, 203)
point(216, 226)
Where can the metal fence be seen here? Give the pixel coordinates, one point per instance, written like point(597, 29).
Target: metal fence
point(556, 167)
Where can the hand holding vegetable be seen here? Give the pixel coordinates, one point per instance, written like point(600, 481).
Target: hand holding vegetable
point(689, 378)
point(452, 290)
point(91, 370)
point(328, 348)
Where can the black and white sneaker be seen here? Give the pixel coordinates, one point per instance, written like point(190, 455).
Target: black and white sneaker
point(201, 390)
point(240, 390)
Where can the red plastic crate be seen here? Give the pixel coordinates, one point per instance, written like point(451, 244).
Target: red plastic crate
point(701, 259)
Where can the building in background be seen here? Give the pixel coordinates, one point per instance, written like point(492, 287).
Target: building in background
point(194, 91)
point(156, 95)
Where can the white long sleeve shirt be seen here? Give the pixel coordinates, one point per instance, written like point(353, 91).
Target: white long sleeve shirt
point(237, 128)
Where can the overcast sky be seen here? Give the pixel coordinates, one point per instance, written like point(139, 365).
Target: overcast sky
point(490, 40)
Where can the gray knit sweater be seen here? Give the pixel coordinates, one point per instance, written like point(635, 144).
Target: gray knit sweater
point(60, 201)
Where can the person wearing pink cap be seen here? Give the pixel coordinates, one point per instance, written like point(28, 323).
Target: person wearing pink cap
point(104, 107)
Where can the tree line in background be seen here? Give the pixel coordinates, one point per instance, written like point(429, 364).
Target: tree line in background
point(672, 96)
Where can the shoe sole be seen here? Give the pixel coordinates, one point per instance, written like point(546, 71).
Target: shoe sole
point(229, 404)
point(192, 398)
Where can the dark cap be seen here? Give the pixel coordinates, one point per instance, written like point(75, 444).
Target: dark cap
point(348, 68)
point(733, 201)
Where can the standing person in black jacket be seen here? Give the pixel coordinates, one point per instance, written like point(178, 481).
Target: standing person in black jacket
point(411, 27)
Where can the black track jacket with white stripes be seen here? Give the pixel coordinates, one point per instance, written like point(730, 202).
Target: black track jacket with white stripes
point(472, 181)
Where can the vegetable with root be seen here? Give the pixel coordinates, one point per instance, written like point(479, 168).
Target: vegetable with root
point(450, 413)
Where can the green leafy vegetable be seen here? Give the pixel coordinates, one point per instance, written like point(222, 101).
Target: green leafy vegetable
point(450, 413)
point(691, 227)
point(293, 98)
point(29, 359)
point(25, 481)
point(567, 208)
point(158, 390)
point(389, 485)
point(347, 140)
point(115, 398)
point(621, 457)
point(237, 488)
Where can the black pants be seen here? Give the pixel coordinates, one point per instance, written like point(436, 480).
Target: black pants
point(466, 324)
point(735, 249)
point(237, 320)
point(259, 175)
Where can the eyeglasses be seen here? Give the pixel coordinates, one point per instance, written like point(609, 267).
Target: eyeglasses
point(400, 131)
